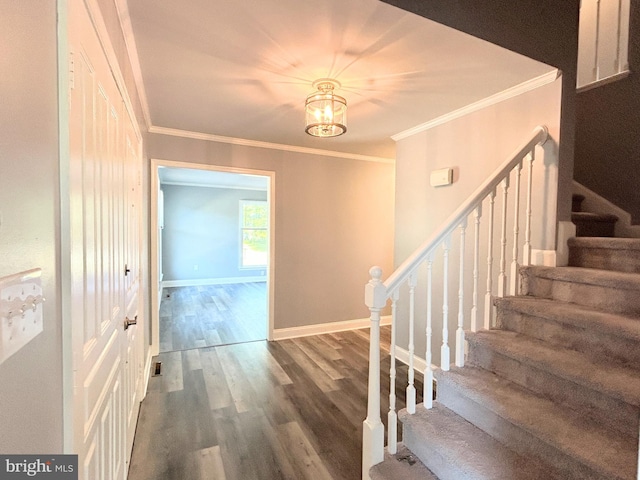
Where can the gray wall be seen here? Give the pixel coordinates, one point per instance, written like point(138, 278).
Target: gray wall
point(201, 227)
point(30, 380)
point(333, 221)
point(421, 208)
point(607, 138)
point(545, 30)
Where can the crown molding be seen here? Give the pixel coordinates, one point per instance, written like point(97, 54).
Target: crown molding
point(259, 144)
point(519, 89)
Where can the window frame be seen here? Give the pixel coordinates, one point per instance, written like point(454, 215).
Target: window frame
point(242, 228)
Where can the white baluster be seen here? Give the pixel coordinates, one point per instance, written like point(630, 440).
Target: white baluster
point(372, 428)
point(488, 305)
point(596, 59)
point(411, 389)
point(428, 372)
point(460, 329)
point(526, 254)
point(392, 416)
point(502, 277)
point(617, 62)
point(445, 354)
point(477, 213)
point(514, 277)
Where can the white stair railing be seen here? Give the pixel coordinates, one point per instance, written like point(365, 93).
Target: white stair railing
point(441, 242)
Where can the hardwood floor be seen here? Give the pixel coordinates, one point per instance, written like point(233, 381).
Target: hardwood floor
point(291, 409)
point(210, 315)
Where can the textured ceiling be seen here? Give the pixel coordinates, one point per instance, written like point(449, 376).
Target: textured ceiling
point(243, 68)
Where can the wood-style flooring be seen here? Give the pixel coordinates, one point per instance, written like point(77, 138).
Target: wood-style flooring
point(210, 315)
point(290, 409)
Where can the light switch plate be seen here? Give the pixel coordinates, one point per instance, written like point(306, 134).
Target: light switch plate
point(441, 177)
point(20, 310)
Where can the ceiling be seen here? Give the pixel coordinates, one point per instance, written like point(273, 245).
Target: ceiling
point(243, 68)
point(211, 178)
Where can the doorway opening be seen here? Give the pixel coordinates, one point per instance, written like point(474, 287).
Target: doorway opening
point(212, 255)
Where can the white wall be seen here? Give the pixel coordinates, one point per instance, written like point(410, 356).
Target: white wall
point(473, 145)
point(30, 380)
point(333, 221)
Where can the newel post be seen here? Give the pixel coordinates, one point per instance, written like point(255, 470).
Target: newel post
point(375, 297)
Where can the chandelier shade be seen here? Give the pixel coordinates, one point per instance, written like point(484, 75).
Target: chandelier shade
point(325, 112)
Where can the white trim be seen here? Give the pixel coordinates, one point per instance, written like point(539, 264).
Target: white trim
point(258, 144)
point(322, 328)
point(566, 230)
point(213, 281)
point(271, 271)
point(147, 375)
point(105, 41)
point(419, 363)
point(603, 81)
point(546, 258)
point(597, 204)
point(132, 50)
point(224, 187)
point(63, 52)
point(524, 87)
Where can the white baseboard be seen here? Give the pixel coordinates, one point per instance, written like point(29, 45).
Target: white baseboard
point(147, 373)
point(566, 230)
point(545, 258)
point(419, 364)
point(321, 328)
point(212, 281)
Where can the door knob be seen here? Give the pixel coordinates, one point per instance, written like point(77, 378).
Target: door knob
point(128, 322)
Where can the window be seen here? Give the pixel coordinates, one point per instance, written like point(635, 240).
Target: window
point(254, 233)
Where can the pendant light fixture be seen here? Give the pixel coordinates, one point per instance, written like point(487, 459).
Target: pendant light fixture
point(325, 112)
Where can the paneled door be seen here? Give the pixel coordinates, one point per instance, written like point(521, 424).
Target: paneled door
point(105, 201)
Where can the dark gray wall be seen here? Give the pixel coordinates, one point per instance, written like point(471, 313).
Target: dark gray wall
point(201, 228)
point(545, 30)
point(608, 133)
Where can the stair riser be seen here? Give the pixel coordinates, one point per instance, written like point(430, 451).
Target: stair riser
point(427, 451)
point(621, 260)
point(608, 299)
point(595, 229)
point(598, 346)
point(601, 407)
point(518, 439)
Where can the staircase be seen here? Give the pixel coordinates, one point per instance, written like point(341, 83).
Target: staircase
point(589, 224)
point(553, 392)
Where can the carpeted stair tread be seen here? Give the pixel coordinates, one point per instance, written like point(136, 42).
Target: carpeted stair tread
point(605, 253)
point(590, 276)
point(403, 465)
point(576, 315)
point(611, 243)
point(584, 441)
point(455, 449)
point(593, 217)
point(617, 381)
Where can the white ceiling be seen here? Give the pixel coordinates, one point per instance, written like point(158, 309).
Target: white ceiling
point(243, 68)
